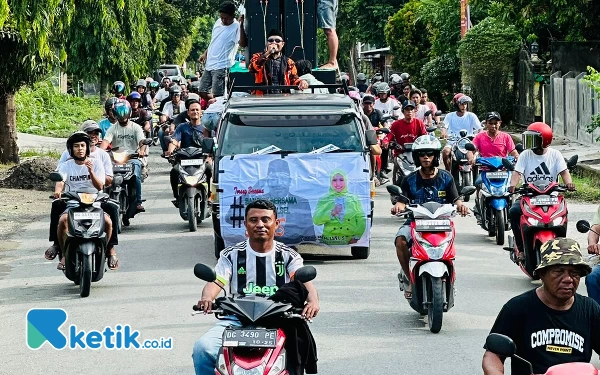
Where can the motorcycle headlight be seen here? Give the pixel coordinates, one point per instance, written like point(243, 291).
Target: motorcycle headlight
point(279, 365)
point(237, 370)
point(557, 221)
point(497, 190)
point(533, 221)
point(192, 180)
point(434, 252)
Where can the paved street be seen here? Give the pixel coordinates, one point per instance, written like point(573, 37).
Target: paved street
point(365, 325)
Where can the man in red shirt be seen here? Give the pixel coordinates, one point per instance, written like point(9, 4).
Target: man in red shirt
point(405, 130)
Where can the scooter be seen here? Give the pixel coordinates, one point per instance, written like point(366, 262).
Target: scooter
point(381, 133)
point(123, 185)
point(462, 172)
point(193, 182)
point(544, 218)
point(403, 159)
point(505, 347)
point(253, 348)
point(85, 246)
point(432, 257)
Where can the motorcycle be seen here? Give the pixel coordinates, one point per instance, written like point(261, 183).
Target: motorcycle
point(193, 183)
point(505, 347)
point(462, 171)
point(123, 185)
point(157, 125)
point(253, 348)
point(544, 218)
point(432, 257)
point(85, 245)
point(381, 133)
point(402, 160)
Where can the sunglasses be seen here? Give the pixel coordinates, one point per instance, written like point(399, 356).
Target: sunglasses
point(274, 40)
point(426, 153)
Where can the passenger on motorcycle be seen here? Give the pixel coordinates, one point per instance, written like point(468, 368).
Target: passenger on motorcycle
point(127, 136)
point(118, 89)
point(427, 184)
point(110, 119)
point(592, 281)
point(146, 99)
point(406, 130)
point(551, 324)
point(456, 121)
point(361, 82)
point(384, 103)
point(163, 94)
point(538, 162)
point(138, 114)
point(415, 96)
point(153, 87)
point(431, 105)
point(81, 173)
point(260, 222)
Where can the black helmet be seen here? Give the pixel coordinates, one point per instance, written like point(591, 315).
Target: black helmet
point(109, 104)
point(122, 110)
point(118, 87)
point(76, 137)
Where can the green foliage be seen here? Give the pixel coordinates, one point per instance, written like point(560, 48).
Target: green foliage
point(442, 22)
point(442, 74)
point(201, 37)
point(587, 189)
point(40, 153)
point(408, 43)
point(488, 52)
point(42, 110)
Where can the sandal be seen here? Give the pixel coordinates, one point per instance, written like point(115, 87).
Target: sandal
point(113, 262)
point(407, 295)
point(60, 266)
point(52, 252)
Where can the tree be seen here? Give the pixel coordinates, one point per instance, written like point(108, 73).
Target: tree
point(30, 43)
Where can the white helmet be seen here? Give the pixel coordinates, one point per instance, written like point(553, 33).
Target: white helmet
point(426, 143)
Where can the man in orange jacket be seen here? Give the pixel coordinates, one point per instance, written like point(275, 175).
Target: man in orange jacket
point(272, 68)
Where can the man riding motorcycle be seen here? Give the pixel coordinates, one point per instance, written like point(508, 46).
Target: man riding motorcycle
point(455, 122)
point(537, 162)
point(406, 130)
point(140, 87)
point(138, 114)
point(551, 324)
point(238, 267)
point(361, 82)
point(427, 184)
point(127, 135)
point(118, 89)
point(384, 103)
point(110, 119)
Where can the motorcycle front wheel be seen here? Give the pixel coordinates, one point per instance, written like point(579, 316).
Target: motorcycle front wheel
point(465, 181)
point(435, 312)
point(499, 214)
point(191, 214)
point(85, 274)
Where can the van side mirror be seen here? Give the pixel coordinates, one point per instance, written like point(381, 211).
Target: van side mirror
point(208, 145)
point(371, 137)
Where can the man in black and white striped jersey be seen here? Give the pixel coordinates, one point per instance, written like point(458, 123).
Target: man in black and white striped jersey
point(259, 265)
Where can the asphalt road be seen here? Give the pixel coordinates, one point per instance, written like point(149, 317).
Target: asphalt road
point(365, 325)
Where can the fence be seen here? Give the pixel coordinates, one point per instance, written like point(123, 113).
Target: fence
point(572, 105)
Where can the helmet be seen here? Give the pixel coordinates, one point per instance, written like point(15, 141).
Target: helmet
point(141, 82)
point(134, 96)
point(176, 79)
point(382, 88)
point(456, 97)
point(194, 87)
point(344, 77)
point(154, 85)
point(426, 143)
point(407, 104)
point(395, 79)
point(464, 100)
point(175, 90)
point(361, 77)
point(405, 76)
point(78, 136)
point(108, 105)
point(537, 136)
point(377, 78)
point(561, 251)
point(118, 87)
point(122, 110)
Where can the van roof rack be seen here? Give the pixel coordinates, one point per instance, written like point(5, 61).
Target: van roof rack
point(336, 86)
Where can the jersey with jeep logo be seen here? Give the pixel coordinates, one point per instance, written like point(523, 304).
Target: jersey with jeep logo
point(547, 337)
point(247, 272)
point(545, 168)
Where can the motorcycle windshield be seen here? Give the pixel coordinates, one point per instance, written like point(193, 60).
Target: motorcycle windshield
point(491, 163)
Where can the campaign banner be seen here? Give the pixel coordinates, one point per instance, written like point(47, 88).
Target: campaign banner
point(320, 198)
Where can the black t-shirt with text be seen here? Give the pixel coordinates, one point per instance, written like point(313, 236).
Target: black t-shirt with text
point(547, 337)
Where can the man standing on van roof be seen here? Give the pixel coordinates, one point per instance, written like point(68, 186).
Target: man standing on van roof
point(272, 68)
point(220, 55)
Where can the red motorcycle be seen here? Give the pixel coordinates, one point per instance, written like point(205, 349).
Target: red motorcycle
point(504, 346)
point(544, 218)
point(432, 257)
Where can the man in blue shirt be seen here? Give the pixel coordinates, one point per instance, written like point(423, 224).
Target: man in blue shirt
point(188, 134)
point(110, 119)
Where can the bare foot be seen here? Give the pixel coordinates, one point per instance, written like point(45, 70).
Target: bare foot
point(330, 65)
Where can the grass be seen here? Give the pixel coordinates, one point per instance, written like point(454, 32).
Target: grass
point(43, 110)
point(40, 152)
point(587, 189)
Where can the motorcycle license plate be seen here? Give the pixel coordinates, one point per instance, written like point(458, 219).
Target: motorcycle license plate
point(86, 215)
point(432, 225)
point(543, 200)
point(251, 338)
point(188, 162)
point(497, 175)
point(122, 168)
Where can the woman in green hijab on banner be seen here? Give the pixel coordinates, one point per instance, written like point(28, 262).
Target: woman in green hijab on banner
point(340, 213)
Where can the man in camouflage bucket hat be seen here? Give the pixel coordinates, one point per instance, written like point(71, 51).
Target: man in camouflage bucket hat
point(551, 324)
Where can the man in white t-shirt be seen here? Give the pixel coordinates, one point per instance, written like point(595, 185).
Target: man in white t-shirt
point(127, 135)
point(538, 163)
point(220, 55)
point(385, 103)
point(163, 94)
point(454, 122)
point(258, 265)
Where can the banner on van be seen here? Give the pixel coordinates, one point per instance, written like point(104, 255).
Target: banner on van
point(320, 198)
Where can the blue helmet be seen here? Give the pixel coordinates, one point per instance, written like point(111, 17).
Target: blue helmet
point(122, 110)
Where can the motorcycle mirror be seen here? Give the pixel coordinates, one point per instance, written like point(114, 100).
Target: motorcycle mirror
point(507, 164)
point(572, 161)
point(208, 144)
point(147, 141)
point(396, 107)
point(501, 345)
point(470, 147)
point(395, 191)
point(428, 113)
point(384, 130)
point(519, 147)
point(305, 274)
point(463, 133)
point(56, 177)
point(371, 137)
point(438, 113)
point(583, 226)
point(204, 272)
point(431, 129)
point(467, 190)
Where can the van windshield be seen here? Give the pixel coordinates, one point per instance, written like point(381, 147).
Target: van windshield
point(245, 134)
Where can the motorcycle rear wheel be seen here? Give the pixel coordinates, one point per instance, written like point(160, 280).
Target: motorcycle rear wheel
point(85, 274)
point(435, 312)
point(499, 214)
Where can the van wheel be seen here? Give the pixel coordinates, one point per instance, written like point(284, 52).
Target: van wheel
point(360, 252)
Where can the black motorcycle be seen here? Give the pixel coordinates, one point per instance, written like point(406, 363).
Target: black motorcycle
point(85, 246)
point(463, 173)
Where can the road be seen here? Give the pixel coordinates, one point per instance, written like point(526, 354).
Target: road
point(365, 325)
